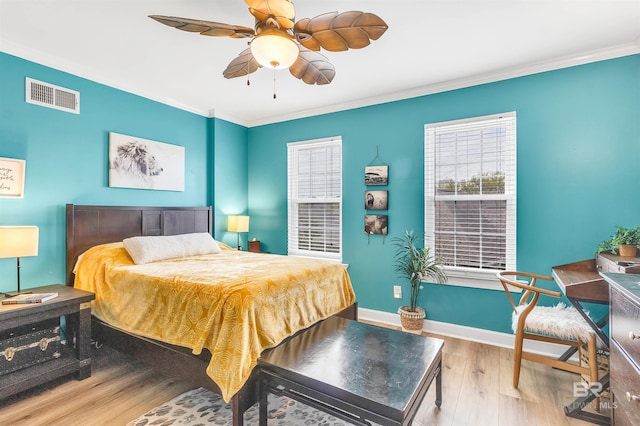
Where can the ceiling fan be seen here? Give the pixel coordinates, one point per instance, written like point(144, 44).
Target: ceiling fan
point(278, 41)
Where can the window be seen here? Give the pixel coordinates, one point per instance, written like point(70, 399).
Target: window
point(470, 197)
point(315, 198)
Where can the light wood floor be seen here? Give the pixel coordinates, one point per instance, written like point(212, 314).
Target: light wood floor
point(476, 391)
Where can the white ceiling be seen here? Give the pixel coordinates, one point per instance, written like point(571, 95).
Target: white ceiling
point(430, 46)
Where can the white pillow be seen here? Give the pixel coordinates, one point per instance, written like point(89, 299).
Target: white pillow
point(151, 249)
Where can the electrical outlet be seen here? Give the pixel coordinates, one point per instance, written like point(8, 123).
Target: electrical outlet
point(397, 292)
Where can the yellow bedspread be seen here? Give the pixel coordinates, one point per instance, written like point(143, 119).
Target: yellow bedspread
point(235, 304)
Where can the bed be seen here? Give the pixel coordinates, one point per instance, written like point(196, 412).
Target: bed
point(93, 229)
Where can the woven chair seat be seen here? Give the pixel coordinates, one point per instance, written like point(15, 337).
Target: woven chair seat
point(557, 321)
point(558, 324)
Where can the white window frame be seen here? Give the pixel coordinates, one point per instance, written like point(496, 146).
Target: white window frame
point(467, 276)
point(293, 199)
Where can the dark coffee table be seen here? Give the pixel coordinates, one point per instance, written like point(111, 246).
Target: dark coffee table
point(357, 372)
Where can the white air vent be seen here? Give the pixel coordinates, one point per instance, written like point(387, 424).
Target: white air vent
point(48, 95)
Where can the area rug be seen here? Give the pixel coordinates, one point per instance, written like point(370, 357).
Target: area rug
point(203, 407)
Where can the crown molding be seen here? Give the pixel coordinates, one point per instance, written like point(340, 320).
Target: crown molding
point(223, 115)
point(51, 61)
point(490, 77)
point(538, 67)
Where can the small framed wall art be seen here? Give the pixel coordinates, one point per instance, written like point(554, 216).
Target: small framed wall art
point(12, 173)
point(376, 200)
point(376, 175)
point(376, 224)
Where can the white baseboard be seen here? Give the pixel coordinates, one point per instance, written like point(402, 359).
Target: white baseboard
point(479, 335)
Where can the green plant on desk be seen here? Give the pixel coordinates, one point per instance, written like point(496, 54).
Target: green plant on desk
point(622, 237)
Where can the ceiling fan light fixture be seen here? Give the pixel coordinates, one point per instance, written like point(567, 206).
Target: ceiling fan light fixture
point(279, 41)
point(274, 49)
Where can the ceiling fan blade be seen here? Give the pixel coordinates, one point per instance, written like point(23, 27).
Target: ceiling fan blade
point(244, 64)
point(282, 10)
point(337, 32)
point(207, 28)
point(312, 68)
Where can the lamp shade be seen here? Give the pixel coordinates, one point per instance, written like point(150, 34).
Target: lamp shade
point(18, 241)
point(274, 49)
point(238, 223)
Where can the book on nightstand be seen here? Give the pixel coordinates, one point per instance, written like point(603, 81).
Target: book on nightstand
point(29, 298)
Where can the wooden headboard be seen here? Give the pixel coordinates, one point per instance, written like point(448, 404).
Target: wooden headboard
point(88, 226)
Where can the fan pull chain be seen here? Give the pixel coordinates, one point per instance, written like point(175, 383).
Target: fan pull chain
point(248, 73)
point(274, 83)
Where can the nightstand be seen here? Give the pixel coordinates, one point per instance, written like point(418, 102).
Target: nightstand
point(24, 325)
point(254, 246)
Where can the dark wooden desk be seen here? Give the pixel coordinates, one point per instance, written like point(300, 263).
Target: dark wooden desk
point(582, 283)
point(354, 371)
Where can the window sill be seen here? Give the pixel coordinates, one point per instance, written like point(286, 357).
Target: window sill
point(346, 265)
point(460, 277)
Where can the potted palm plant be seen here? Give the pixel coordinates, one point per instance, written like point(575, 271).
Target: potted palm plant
point(624, 241)
point(415, 264)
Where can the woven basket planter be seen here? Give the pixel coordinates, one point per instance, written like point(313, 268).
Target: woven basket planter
point(628, 250)
point(411, 321)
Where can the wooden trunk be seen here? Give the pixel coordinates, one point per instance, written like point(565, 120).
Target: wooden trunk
point(26, 346)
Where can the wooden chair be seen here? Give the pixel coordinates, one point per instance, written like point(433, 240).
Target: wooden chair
point(556, 324)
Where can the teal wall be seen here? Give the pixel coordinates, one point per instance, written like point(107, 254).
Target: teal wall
point(578, 142)
point(230, 176)
point(578, 135)
point(67, 158)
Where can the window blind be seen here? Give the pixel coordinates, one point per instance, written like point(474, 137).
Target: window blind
point(470, 192)
point(315, 198)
